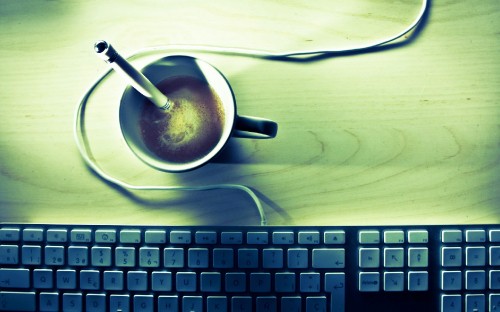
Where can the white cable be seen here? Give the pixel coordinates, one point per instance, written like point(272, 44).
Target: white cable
point(82, 142)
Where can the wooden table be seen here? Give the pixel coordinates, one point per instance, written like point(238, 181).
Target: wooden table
point(406, 134)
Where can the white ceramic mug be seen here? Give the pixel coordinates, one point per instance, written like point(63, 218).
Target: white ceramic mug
point(132, 105)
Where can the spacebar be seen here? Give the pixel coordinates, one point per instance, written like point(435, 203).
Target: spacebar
point(17, 301)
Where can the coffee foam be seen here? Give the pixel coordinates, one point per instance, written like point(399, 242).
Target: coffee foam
point(191, 128)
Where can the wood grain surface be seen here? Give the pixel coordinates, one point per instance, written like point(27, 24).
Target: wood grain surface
point(404, 134)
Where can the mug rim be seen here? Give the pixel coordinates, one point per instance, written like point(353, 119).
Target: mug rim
point(211, 74)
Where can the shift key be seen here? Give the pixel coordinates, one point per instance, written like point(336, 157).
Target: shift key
point(17, 301)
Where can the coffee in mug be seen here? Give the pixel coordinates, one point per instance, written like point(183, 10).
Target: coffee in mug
point(198, 124)
point(192, 126)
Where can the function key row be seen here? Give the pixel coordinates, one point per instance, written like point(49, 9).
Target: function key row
point(160, 236)
point(393, 236)
point(470, 236)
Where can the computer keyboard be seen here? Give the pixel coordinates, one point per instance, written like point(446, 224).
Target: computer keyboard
point(268, 268)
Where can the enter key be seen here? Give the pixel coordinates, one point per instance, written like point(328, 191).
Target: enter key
point(335, 285)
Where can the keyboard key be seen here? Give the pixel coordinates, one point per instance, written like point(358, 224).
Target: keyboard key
point(451, 236)
point(335, 285)
point(369, 281)
point(144, 303)
point(180, 237)
point(101, 256)
point(17, 301)
point(310, 282)
point(81, 235)
point(475, 256)
point(418, 281)
point(216, 304)
point(192, 304)
point(42, 278)
point(260, 282)
point(314, 304)
point(266, 304)
point(418, 257)
point(137, 280)
point(418, 237)
point(283, 238)
point(54, 255)
point(185, 281)
point(78, 255)
point(173, 257)
point(105, 236)
point(336, 237)
point(369, 258)
point(475, 279)
point(14, 278)
point(272, 258)
point(284, 282)
point(66, 279)
point(393, 281)
point(257, 238)
point(494, 236)
point(451, 303)
point(130, 236)
point(369, 237)
point(494, 300)
point(155, 237)
point(9, 254)
point(57, 235)
point(331, 258)
point(149, 257)
point(309, 237)
point(31, 255)
point(32, 235)
point(119, 302)
point(198, 258)
point(451, 256)
point(113, 280)
point(248, 258)
point(223, 258)
point(9, 234)
point(291, 303)
point(161, 281)
point(168, 303)
point(241, 304)
point(48, 301)
point(210, 282)
point(494, 256)
point(72, 302)
point(205, 237)
point(394, 237)
point(231, 238)
point(475, 302)
point(235, 282)
point(297, 258)
point(95, 302)
point(451, 280)
point(394, 257)
point(475, 236)
point(124, 256)
point(494, 279)
point(90, 279)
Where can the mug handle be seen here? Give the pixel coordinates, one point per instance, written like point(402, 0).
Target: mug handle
point(254, 128)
